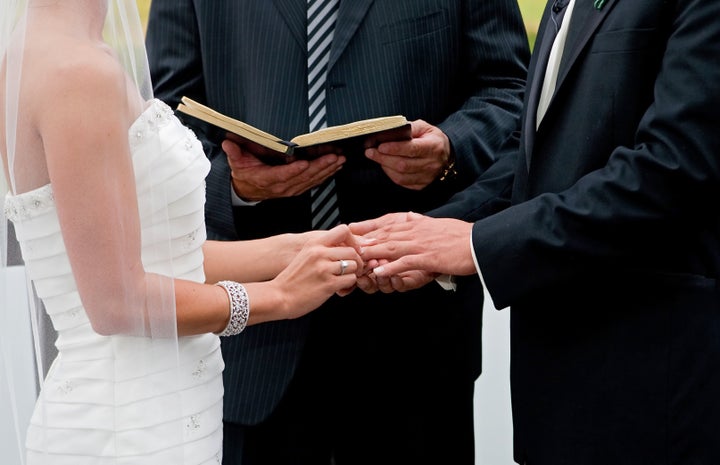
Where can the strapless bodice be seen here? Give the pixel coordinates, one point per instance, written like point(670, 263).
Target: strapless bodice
point(100, 383)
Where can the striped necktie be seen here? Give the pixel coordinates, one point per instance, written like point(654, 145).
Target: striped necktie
point(321, 17)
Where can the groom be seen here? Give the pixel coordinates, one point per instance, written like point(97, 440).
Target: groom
point(609, 255)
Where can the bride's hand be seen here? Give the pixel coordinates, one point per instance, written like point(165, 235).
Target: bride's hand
point(327, 264)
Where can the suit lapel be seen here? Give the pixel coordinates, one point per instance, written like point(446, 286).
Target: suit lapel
point(294, 12)
point(585, 21)
point(350, 16)
point(543, 44)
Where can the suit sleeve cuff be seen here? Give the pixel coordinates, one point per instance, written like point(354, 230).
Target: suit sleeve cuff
point(238, 202)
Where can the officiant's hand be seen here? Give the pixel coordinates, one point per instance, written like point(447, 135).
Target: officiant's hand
point(415, 163)
point(255, 181)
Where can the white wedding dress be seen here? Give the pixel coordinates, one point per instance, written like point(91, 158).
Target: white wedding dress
point(98, 406)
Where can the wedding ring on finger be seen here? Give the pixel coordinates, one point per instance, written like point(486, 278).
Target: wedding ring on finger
point(343, 266)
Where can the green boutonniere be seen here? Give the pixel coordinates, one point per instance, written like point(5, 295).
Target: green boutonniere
point(599, 4)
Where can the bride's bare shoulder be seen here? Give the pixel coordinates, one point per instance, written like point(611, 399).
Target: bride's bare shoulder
point(81, 66)
point(85, 78)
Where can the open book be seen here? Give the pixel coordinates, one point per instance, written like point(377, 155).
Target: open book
point(346, 139)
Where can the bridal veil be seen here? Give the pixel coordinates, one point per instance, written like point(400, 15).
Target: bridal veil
point(150, 313)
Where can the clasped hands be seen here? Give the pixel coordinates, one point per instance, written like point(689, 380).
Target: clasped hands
point(404, 251)
point(394, 253)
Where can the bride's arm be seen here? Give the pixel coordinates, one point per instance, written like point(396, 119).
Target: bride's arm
point(252, 260)
point(83, 121)
point(82, 118)
point(308, 275)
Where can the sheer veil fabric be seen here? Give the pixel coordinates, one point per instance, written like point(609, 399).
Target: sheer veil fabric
point(125, 367)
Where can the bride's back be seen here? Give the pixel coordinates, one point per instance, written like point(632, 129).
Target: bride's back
point(107, 207)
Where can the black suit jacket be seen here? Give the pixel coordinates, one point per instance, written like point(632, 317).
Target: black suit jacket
point(460, 65)
point(610, 253)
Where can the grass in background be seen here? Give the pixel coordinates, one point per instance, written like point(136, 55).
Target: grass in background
point(531, 12)
point(143, 8)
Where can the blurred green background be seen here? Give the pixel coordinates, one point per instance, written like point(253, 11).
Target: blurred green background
point(531, 11)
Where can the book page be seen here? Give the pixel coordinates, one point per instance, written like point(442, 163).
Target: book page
point(345, 131)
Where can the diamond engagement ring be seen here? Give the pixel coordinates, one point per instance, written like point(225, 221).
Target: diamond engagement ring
point(343, 266)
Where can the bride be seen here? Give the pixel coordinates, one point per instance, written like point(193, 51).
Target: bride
point(107, 199)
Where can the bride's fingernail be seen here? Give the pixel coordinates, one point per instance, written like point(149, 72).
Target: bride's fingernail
point(378, 270)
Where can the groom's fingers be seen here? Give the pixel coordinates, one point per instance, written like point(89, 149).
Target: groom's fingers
point(364, 227)
point(367, 226)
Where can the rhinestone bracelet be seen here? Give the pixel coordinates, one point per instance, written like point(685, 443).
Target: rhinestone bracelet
point(239, 308)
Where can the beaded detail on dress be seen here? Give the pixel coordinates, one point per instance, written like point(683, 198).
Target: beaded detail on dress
point(29, 204)
point(157, 116)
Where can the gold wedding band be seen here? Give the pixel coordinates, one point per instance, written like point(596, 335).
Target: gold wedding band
point(343, 266)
